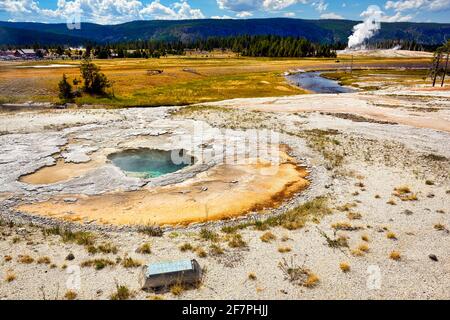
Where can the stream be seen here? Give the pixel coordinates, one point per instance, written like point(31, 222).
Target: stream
point(314, 82)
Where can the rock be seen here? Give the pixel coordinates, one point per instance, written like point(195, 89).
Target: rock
point(70, 257)
point(22, 231)
point(204, 189)
point(71, 200)
point(430, 195)
point(433, 257)
point(407, 212)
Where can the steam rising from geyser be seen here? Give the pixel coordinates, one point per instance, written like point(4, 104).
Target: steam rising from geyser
point(365, 30)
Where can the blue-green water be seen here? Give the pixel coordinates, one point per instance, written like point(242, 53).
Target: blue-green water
point(149, 163)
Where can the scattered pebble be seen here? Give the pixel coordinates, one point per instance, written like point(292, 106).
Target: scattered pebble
point(433, 257)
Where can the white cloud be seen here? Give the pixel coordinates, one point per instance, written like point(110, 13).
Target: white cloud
point(244, 14)
point(320, 6)
point(331, 15)
point(289, 14)
point(239, 5)
point(222, 17)
point(397, 17)
point(103, 11)
point(254, 5)
point(432, 5)
point(18, 6)
point(184, 11)
point(279, 4)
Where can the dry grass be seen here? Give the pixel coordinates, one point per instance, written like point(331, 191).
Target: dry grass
point(186, 247)
point(296, 274)
point(294, 219)
point(337, 242)
point(70, 295)
point(105, 248)
point(151, 231)
point(236, 241)
point(395, 255)
point(10, 276)
point(297, 217)
point(402, 190)
point(122, 293)
point(78, 237)
point(201, 253)
point(363, 247)
point(214, 79)
point(284, 249)
point(345, 267)
point(391, 235)
point(43, 260)
point(344, 226)
point(347, 206)
point(177, 289)
point(405, 193)
point(354, 215)
point(439, 227)
point(129, 262)
point(311, 281)
point(210, 235)
point(98, 264)
point(145, 248)
point(216, 250)
point(268, 237)
point(357, 252)
point(25, 259)
point(391, 202)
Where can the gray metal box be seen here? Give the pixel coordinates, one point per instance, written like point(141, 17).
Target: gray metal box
point(165, 274)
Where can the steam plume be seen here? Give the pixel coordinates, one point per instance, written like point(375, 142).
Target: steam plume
point(366, 29)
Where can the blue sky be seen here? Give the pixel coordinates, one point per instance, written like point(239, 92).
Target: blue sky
point(118, 11)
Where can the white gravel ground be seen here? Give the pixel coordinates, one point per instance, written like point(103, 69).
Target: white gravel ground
point(377, 158)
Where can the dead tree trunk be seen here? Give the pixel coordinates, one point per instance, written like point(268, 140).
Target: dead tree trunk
point(436, 68)
point(445, 70)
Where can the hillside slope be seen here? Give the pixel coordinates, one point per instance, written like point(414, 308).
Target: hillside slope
point(325, 31)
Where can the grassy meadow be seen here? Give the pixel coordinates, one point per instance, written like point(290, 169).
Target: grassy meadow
point(368, 79)
point(184, 80)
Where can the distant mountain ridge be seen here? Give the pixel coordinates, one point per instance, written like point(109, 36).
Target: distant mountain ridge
point(323, 31)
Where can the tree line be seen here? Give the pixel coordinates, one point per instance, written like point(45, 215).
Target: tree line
point(411, 45)
point(251, 46)
point(244, 45)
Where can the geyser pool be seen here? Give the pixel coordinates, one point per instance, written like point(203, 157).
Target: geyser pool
point(150, 163)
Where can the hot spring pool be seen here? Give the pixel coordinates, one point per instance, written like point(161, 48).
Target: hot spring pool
point(150, 163)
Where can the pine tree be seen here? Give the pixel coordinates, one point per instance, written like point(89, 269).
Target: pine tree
point(65, 90)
